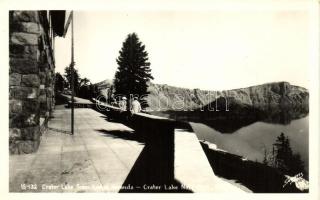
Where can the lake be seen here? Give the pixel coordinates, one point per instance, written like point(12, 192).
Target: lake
point(250, 138)
point(251, 141)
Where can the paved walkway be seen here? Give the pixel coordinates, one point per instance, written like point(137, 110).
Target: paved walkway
point(96, 158)
point(77, 99)
point(104, 156)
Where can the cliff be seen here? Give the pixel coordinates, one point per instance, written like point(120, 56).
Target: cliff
point(262, 97)
point(265, 97)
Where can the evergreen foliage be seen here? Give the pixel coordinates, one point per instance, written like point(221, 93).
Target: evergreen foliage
point(134, 71)
point(59, 82)
point(283, 158)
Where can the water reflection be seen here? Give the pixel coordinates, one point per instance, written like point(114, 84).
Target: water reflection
point(248, 132)
point(238, 117)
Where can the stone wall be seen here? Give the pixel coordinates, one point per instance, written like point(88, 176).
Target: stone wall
point(31, 79)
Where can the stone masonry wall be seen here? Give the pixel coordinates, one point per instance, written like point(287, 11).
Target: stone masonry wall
point(31, 79)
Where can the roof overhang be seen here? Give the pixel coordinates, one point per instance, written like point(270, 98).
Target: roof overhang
point(58, 21)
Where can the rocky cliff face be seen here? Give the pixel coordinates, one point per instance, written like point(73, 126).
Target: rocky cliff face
point(262, 97)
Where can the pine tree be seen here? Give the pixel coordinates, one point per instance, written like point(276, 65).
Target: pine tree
point(59, 82)
point(284, 158)
point(76, 83)
point(134, 71)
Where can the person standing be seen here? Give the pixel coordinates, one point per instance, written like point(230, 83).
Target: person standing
point(123, 104)
point(135, 106)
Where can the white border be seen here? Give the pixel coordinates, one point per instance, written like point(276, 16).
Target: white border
point(201, 5)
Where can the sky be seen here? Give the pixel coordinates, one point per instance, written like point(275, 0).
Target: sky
point(214, 49)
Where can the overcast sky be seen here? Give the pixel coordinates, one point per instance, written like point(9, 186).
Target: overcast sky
point(215, 49)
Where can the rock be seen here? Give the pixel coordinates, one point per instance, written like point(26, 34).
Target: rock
point(42, 76)
point(32, 120)
point(43, 98)
point(13, 147)
point(24, 16)
point(20, 92)
point(21, 38)
point(49, 92)
point(30, 133)
point(23, 66)
point(23, 120)
point(24, 51)
point(48, 79)
point(43, 106)
point(14, 79)
point(15, 106)
point(261, 97)
point(31, 80)
point(30, 106)
point(26, 147)
point(27, 27)
point(14, 133)
point(163, 97)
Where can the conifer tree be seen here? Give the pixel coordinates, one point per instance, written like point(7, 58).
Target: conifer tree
point(134, 71)
point(284, 159)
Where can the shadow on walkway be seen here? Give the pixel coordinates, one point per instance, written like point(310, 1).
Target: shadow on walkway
point(126, 135)
point(153, 171)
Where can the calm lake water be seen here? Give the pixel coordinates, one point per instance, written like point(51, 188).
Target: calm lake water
point(250, 141)
point(251, 138)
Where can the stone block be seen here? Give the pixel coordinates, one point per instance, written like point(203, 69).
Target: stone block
point(34, 94)
point(32, 119)
point(49, 79)
point(23, 66)
point(20, 92)
point(42, 58)
point(27, 27)
point(23, 120)
point(28, 146)
point(31, 80)
point(24, 16)
point(13, 147)
point(42, 91)
point(42, 76)
point(15, 106)
point(43, 67)
point(30, 133)
point(43, 113)
point(14, 133)
point(42, 98)
point(21, 38)
point(43, 105)
point(24, 51)
point(48, 104)
point(30, 106)
point(49, 92)
point(14, 79)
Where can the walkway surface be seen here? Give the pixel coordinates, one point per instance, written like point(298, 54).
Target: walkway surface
point(104, 156)
point(94, 159)
point(77, 100)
